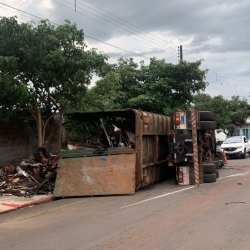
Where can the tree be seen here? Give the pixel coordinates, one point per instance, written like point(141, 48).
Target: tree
point(167, 87)
point(105, 93)
point(232, 112)
point(44, 69)
point(159, 87)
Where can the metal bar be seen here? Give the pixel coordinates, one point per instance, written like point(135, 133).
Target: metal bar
point(195, 149)
point(105, 131)
point(33, 179)
point(154, 163)
point(174, 141)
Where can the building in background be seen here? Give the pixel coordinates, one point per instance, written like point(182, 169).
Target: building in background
point(244, 130)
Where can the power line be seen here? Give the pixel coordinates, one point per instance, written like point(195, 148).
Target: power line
point(16, 13)
point(155, 38)
point(24, 12)
point(116, 47)
point(85, 34)
point(138, 29)
point(110, 26)
point(209, 74)
point(226, 89)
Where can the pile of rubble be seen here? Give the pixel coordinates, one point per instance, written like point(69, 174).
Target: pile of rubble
point(34, 175)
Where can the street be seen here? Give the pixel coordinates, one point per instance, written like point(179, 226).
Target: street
point(163, 216)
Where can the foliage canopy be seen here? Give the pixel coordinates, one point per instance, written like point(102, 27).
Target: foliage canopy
point(42, 65)
point(159, 87)
point(232, 112)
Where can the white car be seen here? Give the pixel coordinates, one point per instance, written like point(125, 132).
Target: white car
point(236, 146)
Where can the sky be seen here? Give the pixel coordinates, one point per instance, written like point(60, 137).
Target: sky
point(216, 31)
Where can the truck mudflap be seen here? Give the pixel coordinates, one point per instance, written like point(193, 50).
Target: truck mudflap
point(96, 175)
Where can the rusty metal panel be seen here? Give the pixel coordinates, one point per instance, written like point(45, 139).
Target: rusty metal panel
point(98, 175)
point(153, 123)
point(151, 147)
point(148, 149)
point(151, 131)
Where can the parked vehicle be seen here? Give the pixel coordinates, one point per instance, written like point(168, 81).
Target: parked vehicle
point(237, 146)
point(219, 154)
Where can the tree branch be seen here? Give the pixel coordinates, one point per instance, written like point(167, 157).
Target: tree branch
point(54, 101)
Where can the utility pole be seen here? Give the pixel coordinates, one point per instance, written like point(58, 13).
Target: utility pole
point(180, 53)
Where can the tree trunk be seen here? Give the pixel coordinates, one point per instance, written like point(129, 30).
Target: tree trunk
point(39, 126)
point(60, 130)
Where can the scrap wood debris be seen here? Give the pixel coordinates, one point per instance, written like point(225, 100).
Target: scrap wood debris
point(34, 175)
point(112, 137)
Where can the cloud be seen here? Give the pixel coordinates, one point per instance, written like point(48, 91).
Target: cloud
point(217, 31)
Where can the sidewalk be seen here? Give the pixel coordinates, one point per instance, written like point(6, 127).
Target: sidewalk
point(10, 203)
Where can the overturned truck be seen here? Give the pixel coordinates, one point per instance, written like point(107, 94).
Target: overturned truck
point(127, 150)
point(121, 151)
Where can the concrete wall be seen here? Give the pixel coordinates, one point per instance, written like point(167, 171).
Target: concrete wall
point(18, 141)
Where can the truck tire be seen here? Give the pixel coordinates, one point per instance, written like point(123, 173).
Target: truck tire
point(217, 164)
point(209, 168)
point(221, 164)
point(207, 116)
point(219, 155)
point(207, 125)
point(217, 173)
point(208, 178)
point(244, 154)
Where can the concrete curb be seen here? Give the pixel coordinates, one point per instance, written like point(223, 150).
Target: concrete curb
point(11, 203)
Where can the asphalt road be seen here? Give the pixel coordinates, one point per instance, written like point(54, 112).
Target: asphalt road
point(213, 216)
point(234, 161)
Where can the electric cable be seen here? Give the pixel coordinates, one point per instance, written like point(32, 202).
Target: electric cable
point(116, 47)
point(112, 27)
point(155, 38)
point(209, 74)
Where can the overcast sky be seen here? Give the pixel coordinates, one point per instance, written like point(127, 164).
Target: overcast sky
point(217, 31)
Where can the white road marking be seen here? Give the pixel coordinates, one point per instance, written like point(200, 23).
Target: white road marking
point(178, 191)
point(233, 175)
point(157, 197)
